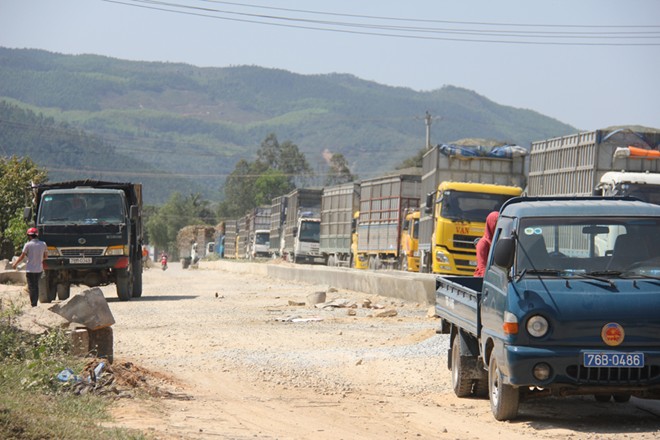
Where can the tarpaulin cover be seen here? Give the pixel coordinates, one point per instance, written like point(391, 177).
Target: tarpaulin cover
point(477, 151)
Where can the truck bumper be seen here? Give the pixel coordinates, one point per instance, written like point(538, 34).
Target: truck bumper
point(97, 263)
point(568, 376)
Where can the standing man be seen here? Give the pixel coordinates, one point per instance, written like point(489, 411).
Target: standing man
point(36, 252)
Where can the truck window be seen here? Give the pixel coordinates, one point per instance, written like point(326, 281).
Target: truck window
point(474, 207)
point(88, 208)
point(588, 244)
point(310, 231)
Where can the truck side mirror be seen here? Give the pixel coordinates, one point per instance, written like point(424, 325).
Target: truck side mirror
point(428, 209)
point(295, 230)
point(133, 212)
point(27, 214)
point(504, 252)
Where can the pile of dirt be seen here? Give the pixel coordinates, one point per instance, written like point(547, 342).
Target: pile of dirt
point(121, 380)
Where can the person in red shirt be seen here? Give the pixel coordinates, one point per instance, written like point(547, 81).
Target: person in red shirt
point(483, 245)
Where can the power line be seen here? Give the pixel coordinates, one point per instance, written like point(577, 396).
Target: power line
point(581, 38)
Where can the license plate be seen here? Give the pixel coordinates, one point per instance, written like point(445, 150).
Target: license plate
point(83, 260)
point(613, 359)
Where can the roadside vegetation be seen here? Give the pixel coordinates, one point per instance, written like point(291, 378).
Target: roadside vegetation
point(35, 404)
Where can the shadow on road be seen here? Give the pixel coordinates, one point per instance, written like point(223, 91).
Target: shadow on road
point(156, 298)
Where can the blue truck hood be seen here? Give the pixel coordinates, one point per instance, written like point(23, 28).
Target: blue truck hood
point(579, 309)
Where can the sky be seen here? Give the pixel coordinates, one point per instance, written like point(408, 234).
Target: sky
point(588, 63)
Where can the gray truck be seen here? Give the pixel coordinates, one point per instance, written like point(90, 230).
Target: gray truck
point(93, 230)
point(339, 205)
point(610, 162)
point(559, 311)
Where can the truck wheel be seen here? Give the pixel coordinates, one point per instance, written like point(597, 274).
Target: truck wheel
point(504, 399)
point(460, 381)
point(63, 291)
point(137, 279)
point(123, 285)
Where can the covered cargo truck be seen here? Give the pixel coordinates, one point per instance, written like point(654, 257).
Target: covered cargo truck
point(339, 203)
point(461, 184)
point(93, 230)
point(384, 202)
point(302, 224)
point(258, 233)
point(609, 162)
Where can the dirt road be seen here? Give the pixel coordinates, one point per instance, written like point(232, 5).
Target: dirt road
point(243, 367)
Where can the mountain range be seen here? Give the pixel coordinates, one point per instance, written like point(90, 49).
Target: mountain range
point(177, 127)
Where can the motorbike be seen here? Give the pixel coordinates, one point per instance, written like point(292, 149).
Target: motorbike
point(163, 262)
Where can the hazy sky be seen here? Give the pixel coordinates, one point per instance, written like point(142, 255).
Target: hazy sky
point(599, 67)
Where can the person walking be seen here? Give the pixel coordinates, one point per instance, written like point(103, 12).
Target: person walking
point(36, 252)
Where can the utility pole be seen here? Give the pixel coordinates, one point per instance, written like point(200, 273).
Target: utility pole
point(428, 120)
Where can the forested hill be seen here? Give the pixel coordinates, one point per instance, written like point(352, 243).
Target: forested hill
point(182, 127)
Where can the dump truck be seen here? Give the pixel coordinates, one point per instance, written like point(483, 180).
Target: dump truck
point(609, 162)
point(93, 230)
point(384, 202)
point(461, 184)
point(557, 313)
point(339, 204)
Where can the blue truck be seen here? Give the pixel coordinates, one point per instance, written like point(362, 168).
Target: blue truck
point(569, 305)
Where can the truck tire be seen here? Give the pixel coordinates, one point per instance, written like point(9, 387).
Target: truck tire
point(504, 399)
point(137, 279)
point(47, 289)
point(124, 285)
point(63, 291)
point(460, 380)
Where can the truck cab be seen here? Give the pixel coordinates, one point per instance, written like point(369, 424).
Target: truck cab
point(409, 253)
point(93, 231)
point(260, 244)
point(306, 241)
point(459, 213)
point(642, 185)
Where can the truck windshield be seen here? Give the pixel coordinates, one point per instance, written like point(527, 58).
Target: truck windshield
point(310, 231)
point(470, 206)
point(86, 208)
point(262, 238)
point(596, 246)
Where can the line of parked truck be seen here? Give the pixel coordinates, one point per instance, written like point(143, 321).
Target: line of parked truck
point(427, 219)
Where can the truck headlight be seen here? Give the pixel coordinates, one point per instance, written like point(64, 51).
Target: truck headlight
point(441, 257)
point(537, 326)
point(53, 251)
point(117, 250)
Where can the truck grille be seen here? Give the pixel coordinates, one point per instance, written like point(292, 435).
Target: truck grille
point(82, 252)
point(464, 241)
point(613, 376)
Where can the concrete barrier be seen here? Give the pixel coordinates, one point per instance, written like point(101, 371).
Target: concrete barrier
point(408, 286)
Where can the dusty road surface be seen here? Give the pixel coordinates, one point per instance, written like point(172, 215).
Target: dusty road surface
point(241, 367)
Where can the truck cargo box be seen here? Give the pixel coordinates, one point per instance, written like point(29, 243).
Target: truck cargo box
point(573, 165)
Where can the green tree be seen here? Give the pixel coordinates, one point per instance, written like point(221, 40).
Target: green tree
point(179, 211)
point(16, 177)
point(338, 172)
point(276, 171)
point(269, 185)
